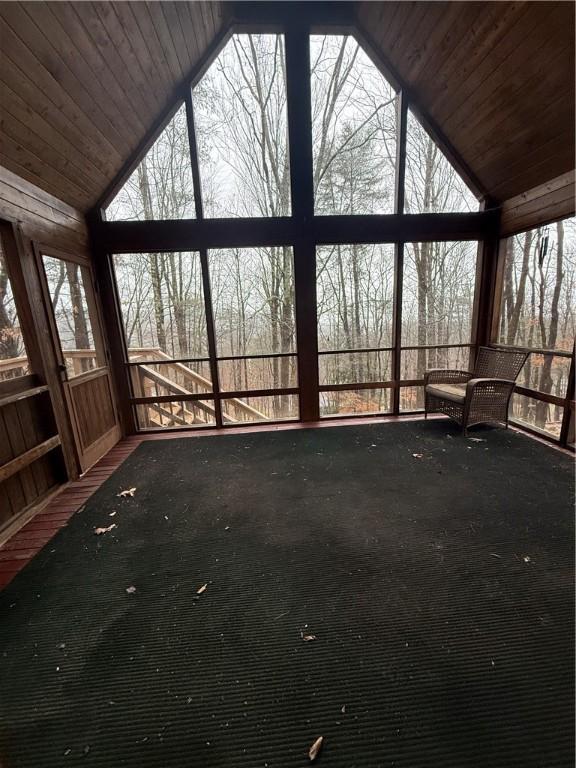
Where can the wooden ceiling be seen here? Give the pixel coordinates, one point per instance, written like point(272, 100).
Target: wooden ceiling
point(81, 83)
point(497, 79)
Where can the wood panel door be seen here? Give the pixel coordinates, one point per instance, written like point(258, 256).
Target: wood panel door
point(76, 331)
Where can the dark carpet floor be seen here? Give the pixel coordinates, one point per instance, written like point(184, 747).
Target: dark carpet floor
point(439, 590)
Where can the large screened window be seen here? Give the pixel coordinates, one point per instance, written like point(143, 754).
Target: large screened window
point(538, 312)
point(241, 129)
point(298, 287)
point(438, 291)
point(161, 186)
point(354, 129)
point(13, 358)
point(254, 319)
point(178, 377)
point(355, 290)
point(164, 317)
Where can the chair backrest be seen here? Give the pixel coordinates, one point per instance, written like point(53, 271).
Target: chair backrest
point(499, 363)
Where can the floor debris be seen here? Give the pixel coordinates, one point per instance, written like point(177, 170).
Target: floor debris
point(314, 750)
point(100, 531)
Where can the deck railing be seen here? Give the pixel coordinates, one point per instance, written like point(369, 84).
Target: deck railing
point(174, 379)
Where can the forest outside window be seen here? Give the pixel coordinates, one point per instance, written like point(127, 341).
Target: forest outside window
point(161, 187)
point(432, 185)
point(438, 292)
point(354, 129)
point(538, 312)
point(252, 293)
point(241, 130)
point(68, 285)
point(13, 358)
point(355, 289)
point(163, 311)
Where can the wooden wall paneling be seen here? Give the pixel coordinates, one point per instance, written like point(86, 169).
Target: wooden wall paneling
point(97, 51)
point(43, 216)
point(188, 33)
point(157, 55)
point(175, 34)
point(15, 108)
point(32, 167)
point(142, 84)
point(155, 84)
point(545, 203)
point(21, 55)
point(437, 41)
point(78, 61)
point(163, 32)
point(65, 122)
point(510, 103)
point(40, 153)
point(480, 64)
point(517, 174)
point(11, 490)
point(15, 15)
point(18, 447)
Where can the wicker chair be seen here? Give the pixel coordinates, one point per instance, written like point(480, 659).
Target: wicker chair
point(478, 397)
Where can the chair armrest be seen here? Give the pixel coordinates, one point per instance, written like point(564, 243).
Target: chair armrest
point(446, 376)
point(473, 383)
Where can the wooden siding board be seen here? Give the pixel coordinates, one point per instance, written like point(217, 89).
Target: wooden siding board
point(67, 48)
point(18, 18)
point(143, 87)
point(96, 57)
point(39, 106)
point(14, 49)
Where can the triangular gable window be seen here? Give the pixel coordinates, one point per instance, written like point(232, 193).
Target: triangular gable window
point(161, 187)
point(432, 184)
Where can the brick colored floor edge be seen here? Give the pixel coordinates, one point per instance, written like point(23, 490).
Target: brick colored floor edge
point(40, 529)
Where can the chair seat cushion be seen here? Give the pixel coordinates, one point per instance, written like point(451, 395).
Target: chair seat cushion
point(454, 392)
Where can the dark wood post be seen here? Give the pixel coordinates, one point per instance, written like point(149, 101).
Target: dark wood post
point(302, 188)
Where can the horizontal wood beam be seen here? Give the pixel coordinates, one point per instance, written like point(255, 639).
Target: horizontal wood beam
point(315, 14)
point(556, 199)
point(193, 235)
point(17, 396)
point(25, 459)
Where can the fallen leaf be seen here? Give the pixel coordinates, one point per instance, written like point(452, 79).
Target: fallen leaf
point(111, 514)
point(131, 590)
point(127, 492)
point(202, 589)
point(477, 439)
point(527, 559)
point(314, 750)
point(418, 455)
point(492, 554)
point(343, 710)
point(98, 531)
point(307, 638)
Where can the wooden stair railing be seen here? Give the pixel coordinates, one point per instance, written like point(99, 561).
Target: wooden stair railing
point(184, 381)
